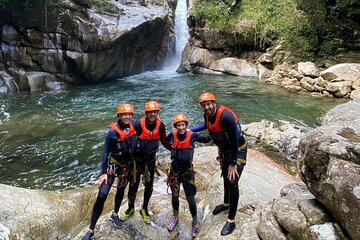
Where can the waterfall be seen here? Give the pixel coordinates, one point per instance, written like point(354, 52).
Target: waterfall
point(181, 33)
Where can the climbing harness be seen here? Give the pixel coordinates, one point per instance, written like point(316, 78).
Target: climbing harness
point(173, 183)
point(113, 167)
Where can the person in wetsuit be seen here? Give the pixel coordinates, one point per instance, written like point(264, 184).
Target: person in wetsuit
point(225, 130)
point(117, 161)
point(182, 142)
point(150, 131)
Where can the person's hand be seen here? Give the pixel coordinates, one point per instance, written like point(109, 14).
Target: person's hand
point(103, 178)
point(232, 172)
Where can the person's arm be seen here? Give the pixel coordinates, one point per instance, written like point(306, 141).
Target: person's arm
point(107, 148)
point(104, 161)
point(137, 126)
point(163, 138)
point(198, 128)
point(169, 139)
point(200, 138)
point(228, 122)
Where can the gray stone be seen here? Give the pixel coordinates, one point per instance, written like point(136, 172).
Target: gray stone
point(344, 71)
point(329, 164)
point(308, 69)
point(234, 66)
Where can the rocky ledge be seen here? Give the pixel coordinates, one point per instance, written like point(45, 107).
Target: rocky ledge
point(272, 204)
point(87, 45)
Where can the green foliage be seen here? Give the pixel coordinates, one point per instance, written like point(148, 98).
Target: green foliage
point(217, 13)
point(295, 21)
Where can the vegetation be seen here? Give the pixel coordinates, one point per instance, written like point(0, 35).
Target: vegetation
point(217, 13)
point(303, 25)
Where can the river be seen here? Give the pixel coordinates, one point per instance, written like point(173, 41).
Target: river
point(54, 140)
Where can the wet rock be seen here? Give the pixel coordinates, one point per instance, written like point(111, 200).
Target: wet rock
point(329, 164)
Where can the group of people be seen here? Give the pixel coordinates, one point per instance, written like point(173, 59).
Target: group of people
point(130, 155)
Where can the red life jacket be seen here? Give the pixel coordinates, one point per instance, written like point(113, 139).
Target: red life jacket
point(215, 127)
point(218, 134)
point(182, 153)
point(122, 134)
point(149, 140)
point(147, 134)
point(126, 144)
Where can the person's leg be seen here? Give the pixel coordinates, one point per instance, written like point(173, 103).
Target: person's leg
point(190, 191)
point(190, 197)
point(234, 199)
point(133, 188)
point(175, 218)
point(100, 200)
point(148, 188)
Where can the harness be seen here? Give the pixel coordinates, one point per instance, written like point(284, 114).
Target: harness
point(114, 168)
point(126, 144)
point(174, 180)
point(180, 170)
point(148, 144)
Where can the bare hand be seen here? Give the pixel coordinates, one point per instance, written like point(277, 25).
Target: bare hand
point(232, 172)
point(103, 178)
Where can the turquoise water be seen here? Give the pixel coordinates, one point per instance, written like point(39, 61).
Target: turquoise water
point(54, 140)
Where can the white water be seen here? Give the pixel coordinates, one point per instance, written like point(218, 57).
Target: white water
point(181, 33)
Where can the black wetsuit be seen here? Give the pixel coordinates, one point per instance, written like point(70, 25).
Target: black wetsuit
point(110, 147)
point(145, 161)
point(188, 179)
point(233, 152)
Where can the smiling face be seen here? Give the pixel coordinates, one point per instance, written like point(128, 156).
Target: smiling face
point(208, 107)
point(181, 127)
point(125, 118)
point(151, 116)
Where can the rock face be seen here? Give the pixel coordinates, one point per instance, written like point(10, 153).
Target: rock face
point(38, 214)
point(89, 45)
point(63, 214)
point(329, 164)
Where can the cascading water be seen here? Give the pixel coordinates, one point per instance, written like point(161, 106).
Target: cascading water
point(181, 33)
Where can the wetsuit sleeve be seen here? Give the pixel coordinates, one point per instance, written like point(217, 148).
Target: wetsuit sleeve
point(199, 138)
point(137, 127)
point(198, 128)
point(110, 136)
point(163, 138)
point(169, 139)
point(228, 122)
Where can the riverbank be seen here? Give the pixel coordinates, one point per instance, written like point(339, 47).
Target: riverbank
point(53, 214)
point(272, 204)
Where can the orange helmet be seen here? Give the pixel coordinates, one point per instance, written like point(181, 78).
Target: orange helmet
point(151, 106)
point(206, 97)
point(180, 118)
point(125, 108)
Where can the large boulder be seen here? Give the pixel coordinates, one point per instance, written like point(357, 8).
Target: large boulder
point(344, 71)
point(88, 44)
point(329, 164)
point(38, 214)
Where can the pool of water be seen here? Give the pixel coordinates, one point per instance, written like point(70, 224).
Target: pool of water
point(54, 140)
